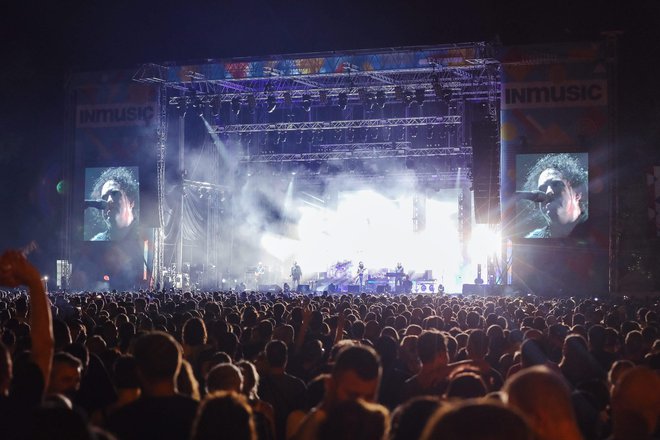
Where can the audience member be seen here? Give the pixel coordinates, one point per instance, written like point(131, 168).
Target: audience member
point(224, 415)
point(545, 399)
point(160, 412)
point(447, 347)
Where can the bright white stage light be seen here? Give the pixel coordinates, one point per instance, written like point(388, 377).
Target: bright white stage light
point(377, 229)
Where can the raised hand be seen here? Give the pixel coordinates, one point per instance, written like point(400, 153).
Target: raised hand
point(16, 270)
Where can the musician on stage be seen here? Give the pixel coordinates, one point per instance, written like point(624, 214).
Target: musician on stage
point(259, 274)
point(296, 274)
point(360, 275)
point(398, 280)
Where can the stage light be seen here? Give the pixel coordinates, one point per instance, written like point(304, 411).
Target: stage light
point(215, 107)
point(398, 93)
point(271, 104)
point(323, 97)
point(306, 102)
point(342, 100)
point(437, 88)
point(420, 95)
point(407, 97)
point(62, 187)
point(252, 103)
point(447, 95)
point(236, 105)
point(380, 98)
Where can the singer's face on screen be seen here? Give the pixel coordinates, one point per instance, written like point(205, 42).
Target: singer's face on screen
point(119, 213)
point(563, 204)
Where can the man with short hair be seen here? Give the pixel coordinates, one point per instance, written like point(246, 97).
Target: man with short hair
point(355, 375)
point(224, 377)
point(432, 378)
point(160, 412)
point(545, 398)
point(285, 392)
point(65, 375)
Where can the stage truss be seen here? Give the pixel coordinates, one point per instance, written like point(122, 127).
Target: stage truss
point(360, 83)
point(398, 103)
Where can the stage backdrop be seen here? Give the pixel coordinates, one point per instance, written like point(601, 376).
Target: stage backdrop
point(555, 100)
point(116, 125)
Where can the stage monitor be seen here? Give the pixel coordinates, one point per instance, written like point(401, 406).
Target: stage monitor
point(112, 203)
point(552, 195)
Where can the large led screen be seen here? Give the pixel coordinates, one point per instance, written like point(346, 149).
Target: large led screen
point(552, 195)
point(112, 203)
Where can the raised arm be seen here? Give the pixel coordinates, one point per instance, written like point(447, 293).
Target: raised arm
point(16, 271)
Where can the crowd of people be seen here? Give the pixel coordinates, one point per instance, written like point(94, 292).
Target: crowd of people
point(270, 366)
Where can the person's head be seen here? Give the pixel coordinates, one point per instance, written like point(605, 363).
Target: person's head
point(466, 385)
point(250, 379)
point(355, 375)
point(276, 354)
point(194, 332)
point(474, 420)
point(355, 419)
point(564, 181)
point(616, 371)
point(636, 404)
point(477, 344)
point(158, 358)
point(409, 418)
point(224, 415)
point(544, 397)
point(224, 377)
point(432, 348)
point(118, 187)
point(65, 375)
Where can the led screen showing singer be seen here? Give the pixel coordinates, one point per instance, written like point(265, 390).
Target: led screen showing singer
point(552, 194)
point(111, 203)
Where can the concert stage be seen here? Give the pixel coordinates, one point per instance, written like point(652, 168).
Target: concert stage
point(412, 155)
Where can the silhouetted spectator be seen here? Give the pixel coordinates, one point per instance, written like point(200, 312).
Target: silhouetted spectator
point(160, 412)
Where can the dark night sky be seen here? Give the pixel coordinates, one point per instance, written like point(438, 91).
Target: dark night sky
point(42, 42)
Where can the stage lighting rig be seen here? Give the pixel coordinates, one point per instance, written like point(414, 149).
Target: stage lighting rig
point(306, 102)
point(420, 96)
point(380, 98)
point(252, 103)
point(342, 100)
point(271, 104)
point(407, 97)
point(236, 105)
